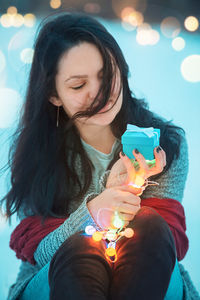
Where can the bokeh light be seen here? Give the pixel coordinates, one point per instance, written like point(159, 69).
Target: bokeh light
point(6, 20)
point(127, 26)
point(154, 37)
point(190, 68)
point(146, 35)
point(55, 4)
point(2, 61)
point(119, 6)
point(10, 106)
point(17, 20)
point(125, 17)
point(170, 27)
point(12, 18)
point(90, 230)
point(131, 16)
point(126, 11)
point(23, 39)
point(29, 20)
point(191, 23)
point(26, 55)
point(144, 26)
point(178, 44)
point(12, 10)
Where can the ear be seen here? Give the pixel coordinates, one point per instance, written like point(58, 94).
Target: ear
point(55, 101)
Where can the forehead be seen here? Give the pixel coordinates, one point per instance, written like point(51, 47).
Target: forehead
point(84, 58)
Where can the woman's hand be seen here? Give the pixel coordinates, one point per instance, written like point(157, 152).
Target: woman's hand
point(120, 199)
point(118, 195)
point(123, 171)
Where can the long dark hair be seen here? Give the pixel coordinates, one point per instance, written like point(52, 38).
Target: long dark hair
point(42, 157)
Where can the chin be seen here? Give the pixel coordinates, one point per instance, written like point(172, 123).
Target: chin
point(103, 119)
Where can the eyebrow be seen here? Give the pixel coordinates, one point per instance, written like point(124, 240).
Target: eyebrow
point(81, 76)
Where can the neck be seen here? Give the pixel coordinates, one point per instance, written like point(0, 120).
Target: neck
point(99, 137)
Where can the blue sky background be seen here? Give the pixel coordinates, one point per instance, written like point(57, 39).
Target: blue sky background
point(155, 75)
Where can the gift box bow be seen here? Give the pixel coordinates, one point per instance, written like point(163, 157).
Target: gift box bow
point(149, 131)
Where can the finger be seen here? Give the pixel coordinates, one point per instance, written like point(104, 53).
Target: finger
point(127, 188)
point(129, 217)
point(141, 160)
point(127, 197)
point(126, 217)
point(135, 191)
point(128, 164)
point(160, 159)
point(127, 208)
point(122, 178)
point(164, 157)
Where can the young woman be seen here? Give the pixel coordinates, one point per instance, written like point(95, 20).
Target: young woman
point(66, 168)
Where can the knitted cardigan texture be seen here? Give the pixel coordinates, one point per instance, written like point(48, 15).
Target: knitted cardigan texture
point(171, 186)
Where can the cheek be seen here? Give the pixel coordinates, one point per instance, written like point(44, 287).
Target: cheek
point(72, 104)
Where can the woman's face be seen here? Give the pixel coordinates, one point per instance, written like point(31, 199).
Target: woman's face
point(78, 81)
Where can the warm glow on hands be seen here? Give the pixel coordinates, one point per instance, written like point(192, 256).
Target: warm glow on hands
point(137, 176)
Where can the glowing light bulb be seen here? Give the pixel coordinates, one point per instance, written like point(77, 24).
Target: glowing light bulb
point(139, 180)
point(117, 222)
point(111, 235)
point(128, 232)
point(110, 251)
point(90, 230)
point(97, 236)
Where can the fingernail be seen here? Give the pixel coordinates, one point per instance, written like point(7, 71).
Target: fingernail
point(158, 149)
point(136, 151)
point(122, 153)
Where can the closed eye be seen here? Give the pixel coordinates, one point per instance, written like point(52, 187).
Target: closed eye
point(78, 87)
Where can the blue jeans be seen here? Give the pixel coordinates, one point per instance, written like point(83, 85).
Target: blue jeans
point(146, 267)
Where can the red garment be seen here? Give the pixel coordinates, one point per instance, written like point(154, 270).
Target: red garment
point(173, 213)
point(28, 234)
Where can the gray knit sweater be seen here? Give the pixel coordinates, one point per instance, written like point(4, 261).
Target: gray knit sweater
point(172, 185)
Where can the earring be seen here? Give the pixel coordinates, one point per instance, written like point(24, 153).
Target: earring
point(57, 118)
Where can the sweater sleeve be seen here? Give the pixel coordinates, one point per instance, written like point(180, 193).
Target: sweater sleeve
point(77, 221)
point(172, 182)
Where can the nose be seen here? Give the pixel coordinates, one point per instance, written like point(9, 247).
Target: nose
point(93, 90)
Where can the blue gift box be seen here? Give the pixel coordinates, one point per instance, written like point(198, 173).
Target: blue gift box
point(143, 139)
